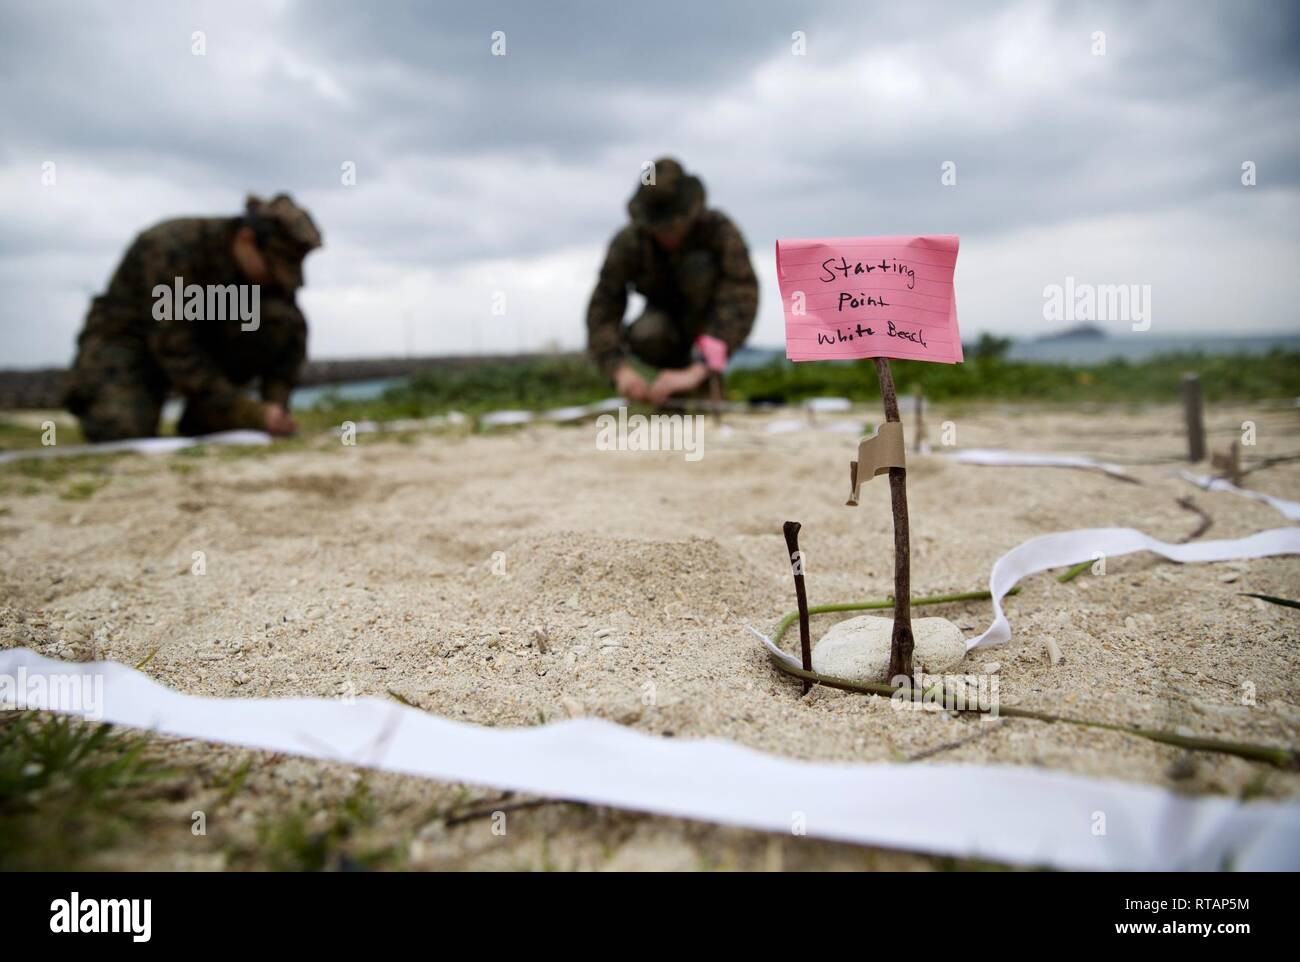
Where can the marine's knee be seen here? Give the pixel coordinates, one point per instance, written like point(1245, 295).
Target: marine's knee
point(200, 417)
point(116, 412)
point(657, 339)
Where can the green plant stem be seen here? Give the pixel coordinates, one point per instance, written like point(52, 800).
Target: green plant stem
point(1270, 754)
point(1074, 572)
point(1273, 755)
point(793, 616)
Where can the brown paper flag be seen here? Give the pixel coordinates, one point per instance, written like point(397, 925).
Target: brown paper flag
point(876, 455)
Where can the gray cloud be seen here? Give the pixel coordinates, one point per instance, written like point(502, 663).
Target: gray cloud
point(478, 172)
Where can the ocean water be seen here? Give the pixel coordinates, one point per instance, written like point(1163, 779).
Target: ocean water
point(305, 397)
point(1089, 350)
point(1141, 347)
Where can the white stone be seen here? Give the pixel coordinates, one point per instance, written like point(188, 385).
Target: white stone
point(858, 649)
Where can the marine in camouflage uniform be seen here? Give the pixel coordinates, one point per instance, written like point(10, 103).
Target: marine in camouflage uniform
point(127, 362)
point(692, 267)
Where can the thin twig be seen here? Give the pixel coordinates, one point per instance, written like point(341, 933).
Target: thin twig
point(1272, 599)
point(901, 643)
point(490, 810)
point(791, 531)
point(1206, 520)
point(984, 729)
point(1273, 755)
point(1268, 463)
point(715, 396)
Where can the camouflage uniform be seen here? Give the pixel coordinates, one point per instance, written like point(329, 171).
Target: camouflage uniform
point(706, 286)
point(127, 362)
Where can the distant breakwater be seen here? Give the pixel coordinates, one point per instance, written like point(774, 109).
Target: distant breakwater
point(43, 387)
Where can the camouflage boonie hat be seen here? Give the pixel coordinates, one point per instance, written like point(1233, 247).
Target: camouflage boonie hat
point(285, 234)
point(674, 197)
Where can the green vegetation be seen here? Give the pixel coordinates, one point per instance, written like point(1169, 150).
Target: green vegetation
point(559, 381)
point(72, 791)
point(290, 843)
point(986, 376)
point(84, 475)
point(541, 382)
point(68, 788)
point(83, 490)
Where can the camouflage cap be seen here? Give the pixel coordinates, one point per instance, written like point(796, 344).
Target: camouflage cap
point(667, 195)
point(286, 234)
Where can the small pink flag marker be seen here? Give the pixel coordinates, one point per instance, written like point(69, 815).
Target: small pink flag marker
point(878, 297)
point(856, 297)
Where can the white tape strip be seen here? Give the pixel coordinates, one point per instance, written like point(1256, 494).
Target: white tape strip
point(137, 446)
point(451, 418)
point(1022, 459)
point(1290, 509)
point(772, 648)
point(1071, 547)
point(795, 426)
point(494, 419)
point(1018, 815)
point(1088, 544)
point(827, 405)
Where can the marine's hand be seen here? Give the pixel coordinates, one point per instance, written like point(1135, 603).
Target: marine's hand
point(630, 384)
point(279, 422)
point(672, 382)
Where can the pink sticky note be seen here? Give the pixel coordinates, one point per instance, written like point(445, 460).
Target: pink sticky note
point(852, 297)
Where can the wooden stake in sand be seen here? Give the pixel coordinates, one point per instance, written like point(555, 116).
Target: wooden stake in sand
point(900, 649)
point(1228, 465)
point(1194, 415)
point(852, 298)
point(791, 530)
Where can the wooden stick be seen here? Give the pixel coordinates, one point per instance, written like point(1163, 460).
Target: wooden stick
point(791, 530)
point(1194, 415)
point(900, 649)
point(715, 395)
point(1201, 528)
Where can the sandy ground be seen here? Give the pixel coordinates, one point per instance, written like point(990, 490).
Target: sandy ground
point(425, 566)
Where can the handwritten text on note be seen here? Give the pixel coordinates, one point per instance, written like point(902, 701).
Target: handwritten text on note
point(851, 297)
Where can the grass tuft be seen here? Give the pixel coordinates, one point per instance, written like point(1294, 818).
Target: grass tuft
point(68, 788)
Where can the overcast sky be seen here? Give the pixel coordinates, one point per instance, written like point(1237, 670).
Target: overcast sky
point(478, 173)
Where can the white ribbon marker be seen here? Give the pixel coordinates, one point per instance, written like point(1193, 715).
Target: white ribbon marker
point(1071, 547)
point(1290, 509)
point(1021, 459)
point(1011, 814)
point(137, 445)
